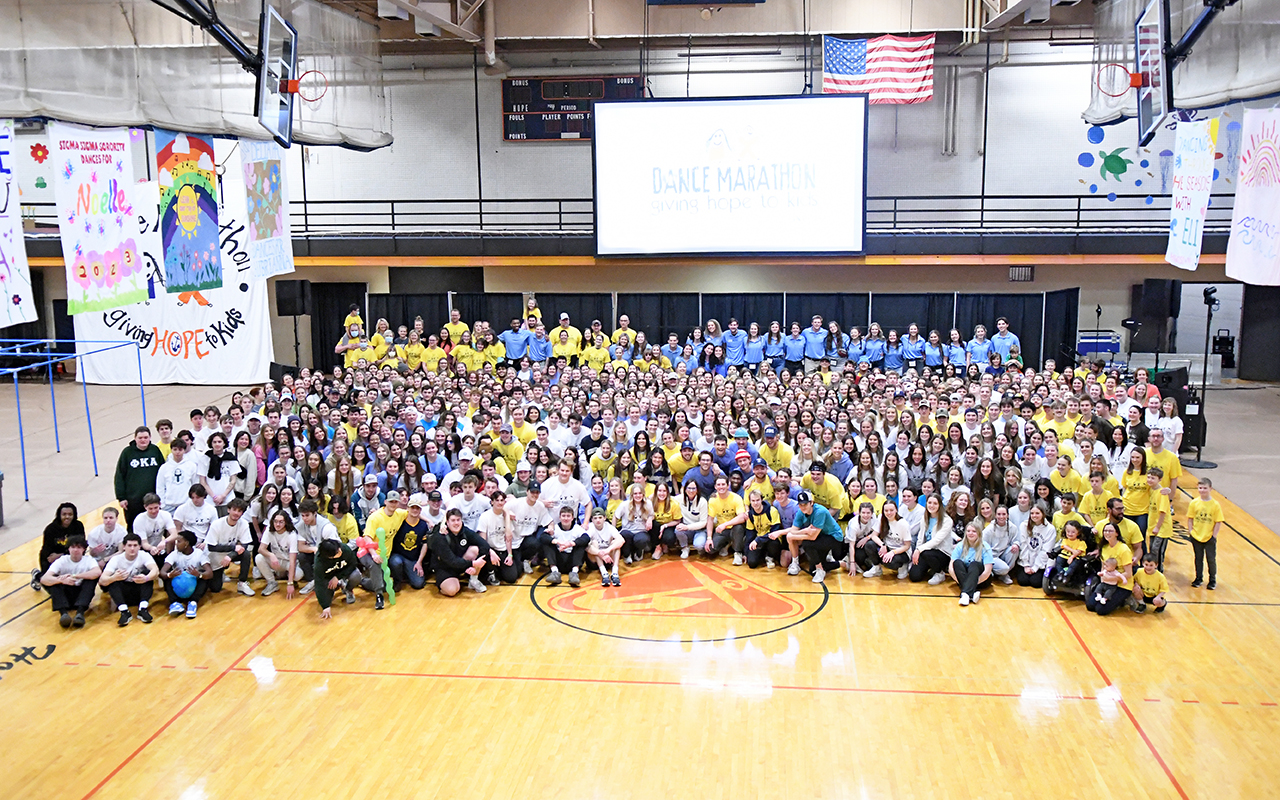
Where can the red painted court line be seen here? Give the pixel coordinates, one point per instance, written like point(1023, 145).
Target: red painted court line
point(107, 665)
point(1150, 700)
point(139, 666)
point(1224, 702)
point(193, 700)
point(1268, 704)
point(70, 663)
point(1185, 701)
point(1138, 727)
point(619, 682)
point(168, 666)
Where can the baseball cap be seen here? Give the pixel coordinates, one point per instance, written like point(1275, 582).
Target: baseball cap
point(759, 462)
point(370, 478)
point(686, 445)
point(564, 315)
point(774, 401)
point(534, 487)
point(597, 512)
point(434, 497)
point(255, 416)
point(418, 500)
point(505, 429)
point(770, 432)
point(393, 495)
point(740, 433)
point(804, 497)
point(524, 466)
point(466, 454)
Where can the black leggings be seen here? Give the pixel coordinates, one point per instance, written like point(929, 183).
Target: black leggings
point(1025, 578)
point(765, 548)
point(635, 543)
point(525, 552)
point(929, 563)
point(822, 549)
point(128, 593)
point(968, 574)
point(868, 556)
point(729, 536)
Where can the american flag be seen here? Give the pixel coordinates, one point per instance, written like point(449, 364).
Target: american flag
point(891, 69)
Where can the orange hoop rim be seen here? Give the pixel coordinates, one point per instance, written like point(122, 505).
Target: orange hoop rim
point(1127, 73)
point(323, 91)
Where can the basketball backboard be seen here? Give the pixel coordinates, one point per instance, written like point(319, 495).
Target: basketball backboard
point(1151, 62)
point(278, 51)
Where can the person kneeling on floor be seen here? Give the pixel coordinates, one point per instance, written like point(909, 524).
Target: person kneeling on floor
point(228, 542)
point(604, 547)
point(186, 560)
point(129, 578)
point(458, 552)
point(1150, 586)
point(70, 581)
point(337, 567)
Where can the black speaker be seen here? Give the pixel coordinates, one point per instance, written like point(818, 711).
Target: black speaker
point(1194, 429)
point(293, 298)
point(1161, 297)
point(1173, 382)
point(278, 371)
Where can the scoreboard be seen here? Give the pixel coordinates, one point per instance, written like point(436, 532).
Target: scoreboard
point(558, 109)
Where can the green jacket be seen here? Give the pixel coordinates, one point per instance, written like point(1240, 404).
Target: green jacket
point(136, 471)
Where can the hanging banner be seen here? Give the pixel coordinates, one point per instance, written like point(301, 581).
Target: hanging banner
point(1194, 151)
point(211, 337)
point(93, 185)
point(1253, 253)
point(17, 305)
point(270, 242)
point(188, 211)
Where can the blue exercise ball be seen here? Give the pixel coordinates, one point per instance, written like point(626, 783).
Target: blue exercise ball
point(184, 584)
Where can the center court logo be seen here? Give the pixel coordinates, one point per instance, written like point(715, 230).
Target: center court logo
point(678, 599)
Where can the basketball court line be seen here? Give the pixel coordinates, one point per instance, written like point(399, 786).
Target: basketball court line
point(193, 700)
point(33, 608)
point(1046, 598)
point(1120, 701)
point(1222, 497)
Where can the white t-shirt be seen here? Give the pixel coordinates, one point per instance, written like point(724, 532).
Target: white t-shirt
point(281, 544)
point(313, 534)
point(435, 519)
point(561, 536)
point(141, 565)
point(222, 532)
point(493, 527)
point(197, 558)
point(65, 566)
point(471, 509)
point(556, 495)
point(154, 531)
point(196, 519)
point(527, 520)
point(112, 540)
point(601, 538)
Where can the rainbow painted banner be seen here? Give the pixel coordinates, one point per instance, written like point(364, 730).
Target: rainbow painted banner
point(188, 211)
point(93, 187)
point(17, 304)
point(1253, 253)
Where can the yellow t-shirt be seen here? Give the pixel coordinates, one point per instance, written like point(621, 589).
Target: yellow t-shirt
point(1130, 533)
point(1137, 494)
point(1094, 506)
point(575, 336)
point(779, 457)
point(602, 466)
point(1154, 584)
point(1071, 482)
point(510, 454)
point(164, 448)
point(765, 487)
point(346, 527)
point(1166, 460)
point(456, 329)
point(1077, 546)
point(1204, 514)
point(411, 354)
point(352, 319)
point(663, 516)
point(568, 350)
point(1060, 519)
point(876, 502)
point(389, 523)
point(630, 332)
point(525, 433)
point(595, 357)
point(1160, 505)
point(1123, 556)
point(1066, 429)
point(764, 522)
point(830, 494)
point(724, 509)
point(431, 358)
point(468, 356)
point(679, 466)
point(380, 345)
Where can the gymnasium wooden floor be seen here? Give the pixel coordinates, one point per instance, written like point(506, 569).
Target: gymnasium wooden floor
point(689, 681)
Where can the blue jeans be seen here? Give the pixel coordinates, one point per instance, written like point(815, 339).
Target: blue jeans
point(402, 570)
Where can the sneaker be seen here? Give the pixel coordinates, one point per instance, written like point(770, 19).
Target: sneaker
point(684, 552)
point(78, 620)
point(903, 572)
point(554, 577)
point(964, 599)
point(976, 597)
point(125, 618)
point(819, 575)
point(144, 614)
point(724, 552)
point(769, 563)
point(737, 559)
point(35, 581)
point(245, 589)
point(350, 594)
point(1197, 583)
point(1213, 584)
point(527, 566)
point(397, 585)
point(1006, 580)
point(938, 577)
point(657, 554)
point(874, 572)
point(574, 580)
point(615, 580)
point(308, 589)
point(794, 569)
point(1140, 608)
point(272, 588)
point(191, 610)
point(476, 585)
point(176, 608)
point(65, 620)
point(1161, 609)
point(627, 560)
point(257, 574)
point(379, 602)
point(492, 579)
point(604, 580)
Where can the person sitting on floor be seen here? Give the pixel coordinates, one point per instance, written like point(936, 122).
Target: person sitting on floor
point(70, 581)
point(129, 577)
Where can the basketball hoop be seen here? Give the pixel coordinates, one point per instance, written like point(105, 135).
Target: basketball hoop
point(1133, 80)
point(312, 85)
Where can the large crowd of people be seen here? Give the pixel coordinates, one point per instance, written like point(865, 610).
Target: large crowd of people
point(470, 457)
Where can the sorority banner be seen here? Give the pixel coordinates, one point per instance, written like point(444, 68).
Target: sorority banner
point(16, 301)
point(93, 187)
point(1253, 253)
point(214, 337)
point(1194, 151)
point(188, 211)
point(270, 242)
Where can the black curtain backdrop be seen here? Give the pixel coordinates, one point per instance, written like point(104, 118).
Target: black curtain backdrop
point(401, 309)
point(330, 303)
point(933, 311)
point(1061, 319)
point(660, 314)
point(1024, 311)
point(849, 310)
point(746, 308)
point(582, 308)
point(499, 308)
